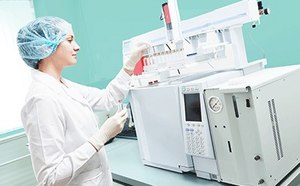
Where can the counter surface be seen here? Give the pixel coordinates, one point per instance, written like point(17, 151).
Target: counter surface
point(127, 167)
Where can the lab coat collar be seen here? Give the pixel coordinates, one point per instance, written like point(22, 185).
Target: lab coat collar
point(47, 80)
point(73, 92)
point(64, 88)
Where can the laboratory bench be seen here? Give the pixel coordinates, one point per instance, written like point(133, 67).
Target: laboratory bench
point(127, 167)
point(124, 159)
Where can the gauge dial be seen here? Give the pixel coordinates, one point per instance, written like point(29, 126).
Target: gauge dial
point(215, 104)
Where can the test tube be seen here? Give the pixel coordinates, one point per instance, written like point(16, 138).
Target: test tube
point(168, 22)
point(120, 106)
point(146, 61)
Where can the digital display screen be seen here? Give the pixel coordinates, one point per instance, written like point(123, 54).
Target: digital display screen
point(192, 107)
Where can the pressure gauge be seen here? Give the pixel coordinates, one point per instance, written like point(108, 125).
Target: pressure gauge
point(215, 104)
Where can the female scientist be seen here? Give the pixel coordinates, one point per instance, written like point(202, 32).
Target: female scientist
point(66, 146)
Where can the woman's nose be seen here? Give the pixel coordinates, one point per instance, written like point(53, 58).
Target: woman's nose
point(76, 47)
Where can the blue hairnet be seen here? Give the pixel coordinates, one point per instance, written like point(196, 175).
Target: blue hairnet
point(40, 38)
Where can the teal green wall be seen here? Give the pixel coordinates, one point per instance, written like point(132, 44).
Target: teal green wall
point(101, 26)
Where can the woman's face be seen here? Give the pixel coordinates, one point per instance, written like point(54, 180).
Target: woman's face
point(66, 52)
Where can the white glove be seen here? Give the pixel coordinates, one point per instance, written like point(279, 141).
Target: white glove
point(136, 55)
point(110, 128)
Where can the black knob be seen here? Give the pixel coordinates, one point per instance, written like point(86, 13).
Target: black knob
point(257, 157)
point(267, 11)
point(259, 4)
point(261, 181)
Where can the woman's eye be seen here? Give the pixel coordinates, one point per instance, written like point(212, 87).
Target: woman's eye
point(70, 39)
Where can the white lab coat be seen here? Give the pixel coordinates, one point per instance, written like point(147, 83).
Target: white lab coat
point(59, 120)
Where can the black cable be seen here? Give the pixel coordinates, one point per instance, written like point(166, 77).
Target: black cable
point(168, 46)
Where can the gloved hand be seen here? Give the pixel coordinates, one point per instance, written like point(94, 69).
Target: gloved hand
point(136, 55)
point(110, 128)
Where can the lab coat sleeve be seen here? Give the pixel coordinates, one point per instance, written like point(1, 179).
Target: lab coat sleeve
point(107, 98)
point(44, 125)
